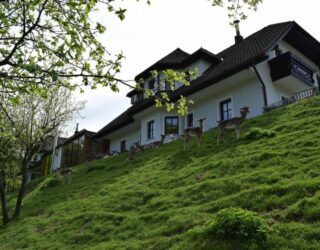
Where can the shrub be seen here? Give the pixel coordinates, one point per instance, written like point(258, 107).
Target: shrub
point(95, 167)
point(257, 133)
point(240, 227)
point(52, 181)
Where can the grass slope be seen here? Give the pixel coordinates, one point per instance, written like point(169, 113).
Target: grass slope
point(166, 195)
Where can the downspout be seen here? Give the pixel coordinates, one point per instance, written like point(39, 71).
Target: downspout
point(263, 85)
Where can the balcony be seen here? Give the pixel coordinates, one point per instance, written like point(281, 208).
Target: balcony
point(291, 73)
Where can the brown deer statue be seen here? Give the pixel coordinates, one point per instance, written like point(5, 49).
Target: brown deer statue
point(155, 144)
point(235, 122)
point(66, 174)
point(194, 132)
point(136, 148)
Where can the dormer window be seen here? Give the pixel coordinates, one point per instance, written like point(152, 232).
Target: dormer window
point(188, 77)
point(167, 86)
point(152, 84)
point(133, 99)
point(278, 51)
point(140, 96)
point(137, 97)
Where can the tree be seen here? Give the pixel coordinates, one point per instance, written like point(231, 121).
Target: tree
point(31, 121)
point(47, 43)
point(53, 42)
point(237, 8)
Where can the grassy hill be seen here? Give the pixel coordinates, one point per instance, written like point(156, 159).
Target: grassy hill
point(168, 198)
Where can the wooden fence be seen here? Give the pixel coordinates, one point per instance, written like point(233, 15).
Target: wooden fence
point(298, 96)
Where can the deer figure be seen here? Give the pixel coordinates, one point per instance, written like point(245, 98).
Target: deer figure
point(155, 144)
point(194, 132)
point(235, 122)
point(136, 148)
point(66, 174)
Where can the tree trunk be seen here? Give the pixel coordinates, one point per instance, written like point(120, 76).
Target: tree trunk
point(5, 212)
point(22, 189)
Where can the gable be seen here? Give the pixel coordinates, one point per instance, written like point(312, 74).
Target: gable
point(301, 40)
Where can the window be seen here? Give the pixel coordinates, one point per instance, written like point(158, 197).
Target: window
point(172, 125)
point(278, 51)
point(150, 130)
point(123, 146)
point(133, 99)
point(226, 109)
point(167, 85)
point(190, 120)
point(188, 77)
point(140, 96)
point(152, 84)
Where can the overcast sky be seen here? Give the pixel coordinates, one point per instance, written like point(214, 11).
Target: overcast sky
point(150, 32)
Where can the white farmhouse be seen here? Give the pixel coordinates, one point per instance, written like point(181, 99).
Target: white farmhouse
point(260, 71)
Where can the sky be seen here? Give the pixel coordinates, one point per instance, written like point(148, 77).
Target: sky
point(149, 33)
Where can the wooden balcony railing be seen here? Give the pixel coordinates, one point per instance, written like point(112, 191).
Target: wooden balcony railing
point(298, 96)
point(289, 64)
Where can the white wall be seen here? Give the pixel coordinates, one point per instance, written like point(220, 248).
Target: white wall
point(274, 91)
point(243, 94)
point(244, 88)
point(149, 115)
point(57, 159)
point(201, 65)
point(128, 133)
point(158, 116)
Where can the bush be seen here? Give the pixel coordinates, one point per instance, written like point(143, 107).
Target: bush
point(95, 167)
point(50, 182)
point(257, 133)
point(241, 228)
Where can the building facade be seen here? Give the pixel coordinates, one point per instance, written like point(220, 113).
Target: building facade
point(79, 148)
point(268, 67)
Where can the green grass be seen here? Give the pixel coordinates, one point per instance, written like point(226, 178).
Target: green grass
point(167, 196)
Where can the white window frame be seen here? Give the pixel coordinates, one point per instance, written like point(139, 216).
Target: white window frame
point(154, 129)
point(222, 100)
point(121, 140)
point(186, 120)
point(164, 124)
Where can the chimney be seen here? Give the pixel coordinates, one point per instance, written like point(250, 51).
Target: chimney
point(77, 129)
point(238, 38)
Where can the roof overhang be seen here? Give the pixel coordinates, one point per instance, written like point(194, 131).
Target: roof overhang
point(300, 39)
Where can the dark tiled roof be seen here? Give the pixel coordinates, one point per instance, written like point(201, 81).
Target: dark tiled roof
point(176, 60)
point(122, 120)
point(239, 56)
point(171, 60)
point(175, 57)
point(76, 136)
point(251, 50)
